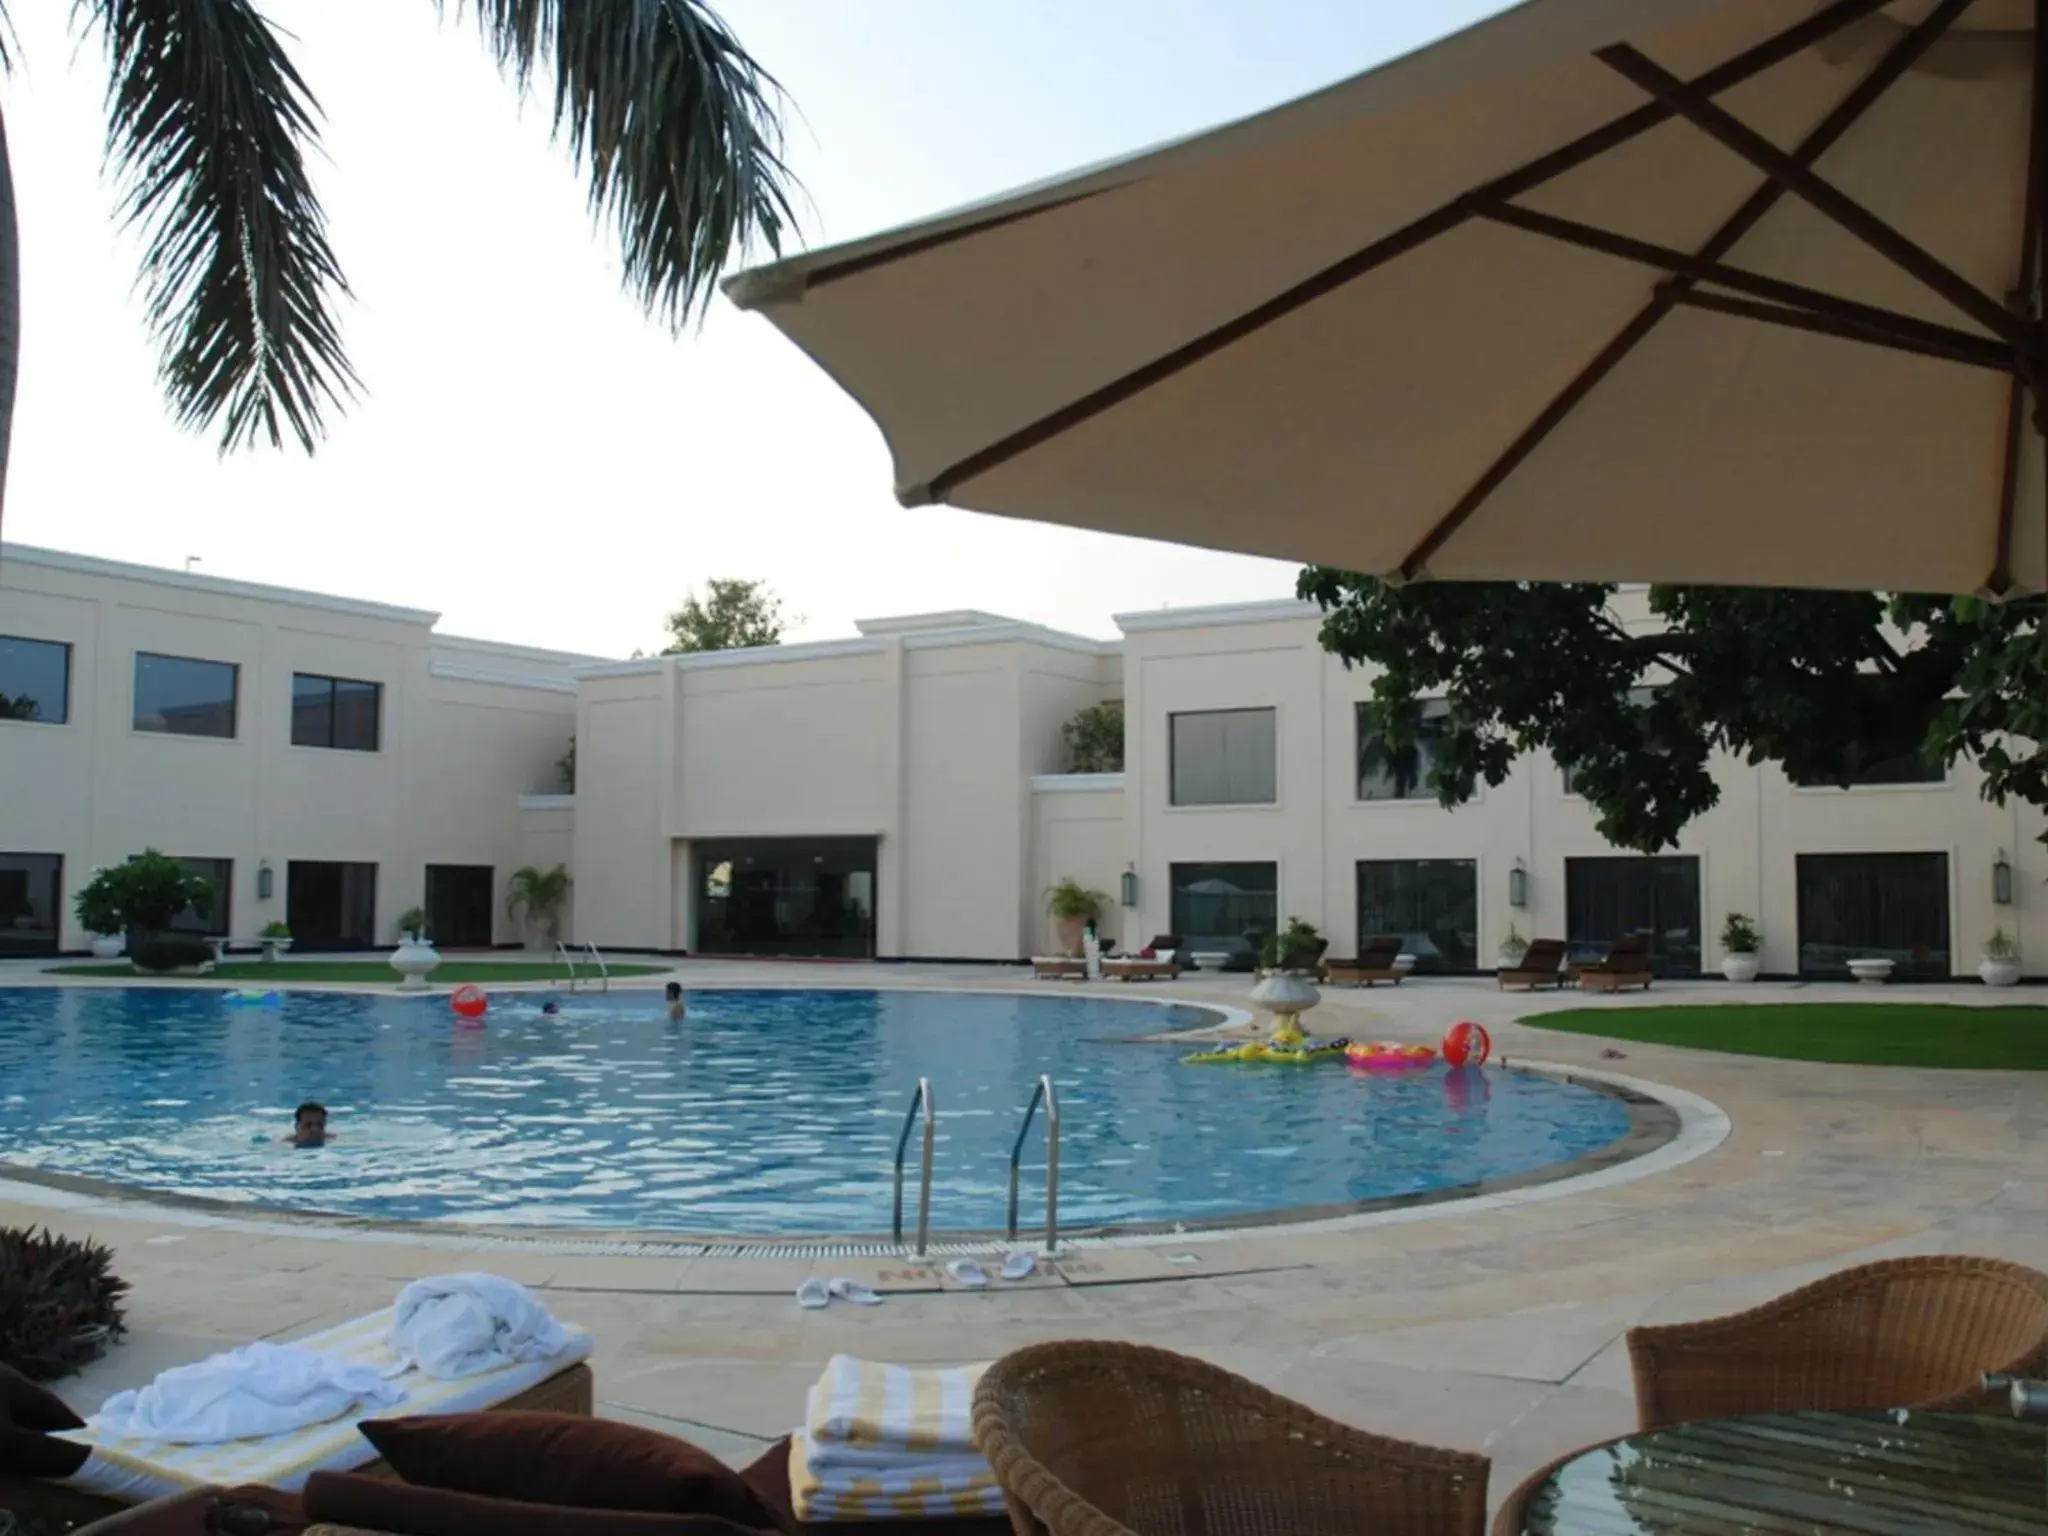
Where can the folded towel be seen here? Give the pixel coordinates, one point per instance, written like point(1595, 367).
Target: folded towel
point(917, 1489)
point(464, 1324)
point(257, 1390)
point(862, 1402)
point(832, 1456)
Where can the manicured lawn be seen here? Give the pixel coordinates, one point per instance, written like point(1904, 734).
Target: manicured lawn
point(1873, 1034)
point(451, 972)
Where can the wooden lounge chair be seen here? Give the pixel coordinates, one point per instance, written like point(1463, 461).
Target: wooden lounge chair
point(1900, 1333)
point(1093, 1439)
point(1059, 968)
point(1375, 963)
point(1137, 968)
point(1542, 965)
point(1627, 964)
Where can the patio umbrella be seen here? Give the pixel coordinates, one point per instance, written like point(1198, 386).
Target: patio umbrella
point(1720, 291)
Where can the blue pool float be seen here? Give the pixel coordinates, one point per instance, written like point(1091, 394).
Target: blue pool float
point(250, 997)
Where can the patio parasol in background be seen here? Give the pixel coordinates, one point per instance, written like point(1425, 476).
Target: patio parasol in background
point(1714, 291)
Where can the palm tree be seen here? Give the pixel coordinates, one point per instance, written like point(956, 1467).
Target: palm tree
point(208, 127)
point(536, 895)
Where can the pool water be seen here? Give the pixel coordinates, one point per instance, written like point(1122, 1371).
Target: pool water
point(761, 1112)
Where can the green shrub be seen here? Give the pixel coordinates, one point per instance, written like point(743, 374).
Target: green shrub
point(1299, 947)
point(1739, 936)
point(60, 1306)
point(1094, 739)
point(142, 896)
point(1071, 899)
point(170, 952)
point(413, 920)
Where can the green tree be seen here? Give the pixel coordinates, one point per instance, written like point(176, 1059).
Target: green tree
point(142, 896)
point(1825, 684)
point(731, 615)
point(209, 129)
point(1094, 738)
point(536, 896)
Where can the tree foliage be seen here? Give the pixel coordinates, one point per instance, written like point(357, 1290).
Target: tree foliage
point(145, 894)
point(1094, 738)
point(731, 615)
point(1825, 684)
point(537, 895)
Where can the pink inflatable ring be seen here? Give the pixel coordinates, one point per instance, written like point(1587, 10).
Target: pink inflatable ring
point(1387, 1055)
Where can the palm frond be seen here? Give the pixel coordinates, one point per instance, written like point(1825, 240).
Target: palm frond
point(674, 125)
point(208, 125)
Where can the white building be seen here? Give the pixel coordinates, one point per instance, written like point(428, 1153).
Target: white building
point(899, 794)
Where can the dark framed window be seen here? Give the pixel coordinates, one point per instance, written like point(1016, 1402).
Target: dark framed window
point(1874, 906)
point(1223, 757)
point(330, 905)
point(339, 712)
point(31, 902)
point(461, 904)
point(787, 896)
point(1619, 897)
point(1385, 774)
point(1639, 698)
point(35, 680)
point(1430, 905)
point(212, 918)
point(1899, 768)
point(184, 696)
point(1227, 908)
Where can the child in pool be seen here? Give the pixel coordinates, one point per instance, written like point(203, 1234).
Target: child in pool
point(674, 992)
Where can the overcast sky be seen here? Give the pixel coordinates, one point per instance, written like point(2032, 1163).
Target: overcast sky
point(532, 456)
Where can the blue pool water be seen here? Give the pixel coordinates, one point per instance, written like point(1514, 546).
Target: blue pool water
point(762, 1112)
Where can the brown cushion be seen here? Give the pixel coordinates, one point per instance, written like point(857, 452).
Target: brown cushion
point(26, 1405)
point(27, 1413)
point(407, 1509)
point(769, 1478)
point(565, 1458)
point(206, 1511)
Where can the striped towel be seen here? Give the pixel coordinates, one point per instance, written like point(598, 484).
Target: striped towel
point(884, 1442)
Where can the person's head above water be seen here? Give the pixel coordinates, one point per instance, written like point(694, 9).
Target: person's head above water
point(673, 991)
point(309, 1124)
point(551, 1006)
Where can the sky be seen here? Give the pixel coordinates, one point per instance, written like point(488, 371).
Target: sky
point(532, 456)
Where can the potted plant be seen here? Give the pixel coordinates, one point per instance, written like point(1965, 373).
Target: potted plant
point(1298, 948)
point(2000, 966)
point(534, 899)
point(415, 956)
point(1286, 988)
point(140, 898)
point(1513, 947)
point(275, 938)
point(1740, 957)
point(99, 914)
point(1072, 907)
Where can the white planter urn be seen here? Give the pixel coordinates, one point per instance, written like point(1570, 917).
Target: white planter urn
point(1872, 973)
point(107, 946)
point(1287, 995)
point(1741, 965)
point(1999, 970)
point(413, 959)
point(272, 948)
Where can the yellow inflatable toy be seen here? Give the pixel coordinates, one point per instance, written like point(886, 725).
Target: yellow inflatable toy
point(1288, 1047)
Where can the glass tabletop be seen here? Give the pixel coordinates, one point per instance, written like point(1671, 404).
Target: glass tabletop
point(1896, 1473)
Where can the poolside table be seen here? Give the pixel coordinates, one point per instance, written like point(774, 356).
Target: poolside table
point(1895, 1473)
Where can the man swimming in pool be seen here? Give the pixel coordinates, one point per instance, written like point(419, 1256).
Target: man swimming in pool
point(309, 1126)
point(674, 992)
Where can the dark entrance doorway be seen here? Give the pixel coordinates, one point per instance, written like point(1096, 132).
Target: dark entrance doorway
point(331, 905)
point(1657, 898)
point(31, 903)
point(1877, 906)
point(787, 896)
point(459, 905)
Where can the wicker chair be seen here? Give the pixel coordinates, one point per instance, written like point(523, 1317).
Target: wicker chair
point(1093, 1439)
point(1902, 1333)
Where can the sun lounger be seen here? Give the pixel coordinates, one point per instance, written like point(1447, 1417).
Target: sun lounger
point(1058, 968)
point(1542, 965)
point(1135, 968)
point(1376, 962)
point(1627, 965)
point(123, 1472)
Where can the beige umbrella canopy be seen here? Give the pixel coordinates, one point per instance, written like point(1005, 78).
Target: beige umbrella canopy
point(1727, 291)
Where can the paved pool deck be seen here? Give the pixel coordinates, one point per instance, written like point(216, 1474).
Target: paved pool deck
point(1494, 1326)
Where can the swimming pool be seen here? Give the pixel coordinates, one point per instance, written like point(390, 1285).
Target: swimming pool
point(763, 1112)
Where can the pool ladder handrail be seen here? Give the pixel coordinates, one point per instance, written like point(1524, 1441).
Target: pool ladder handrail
point(1042, 1094)
point(921, 1098)
point(563, 954)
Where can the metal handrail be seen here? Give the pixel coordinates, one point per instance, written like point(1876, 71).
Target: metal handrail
point(922, 1098)
point(1043, 1093)
point(604, 971)
point(562, 954)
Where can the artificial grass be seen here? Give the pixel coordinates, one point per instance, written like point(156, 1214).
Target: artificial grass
point(1864, 1034)
point(369, 972)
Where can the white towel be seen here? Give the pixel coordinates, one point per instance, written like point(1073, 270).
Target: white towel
point(257, 1390)
point(461, 1325)
point(833, 1456)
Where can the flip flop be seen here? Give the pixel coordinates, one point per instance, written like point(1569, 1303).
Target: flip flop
point(1019, 1266)
point(813, 1294)
point(968, 1273)
point(853, 1291)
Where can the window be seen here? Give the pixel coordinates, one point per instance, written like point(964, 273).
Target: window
point(1384, 774)
point(787, 896)
point(330, 906)
point(1874, 906)
point(1899, 768)
point(1228, 908)
point(1430, 905)
point(1223, 757)
point(335, 712)
point(212, 918)
point(35, 680)
point(181, 696)
point(1612, 898)
point(1638, 698)
point(30, 885)
point(460, 905)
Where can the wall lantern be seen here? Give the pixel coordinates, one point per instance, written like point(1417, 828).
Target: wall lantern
point(1518, 885)
point(1127, 891)
point(2001, 880)
point(263, 879)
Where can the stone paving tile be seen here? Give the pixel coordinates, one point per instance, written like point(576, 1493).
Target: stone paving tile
point(1544, 1344)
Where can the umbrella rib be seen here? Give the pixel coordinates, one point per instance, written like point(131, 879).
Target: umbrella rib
point(2026, 299)
point(1738, 137)
point(1724, 76)
point(1980, 354)
point(1897, 60)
